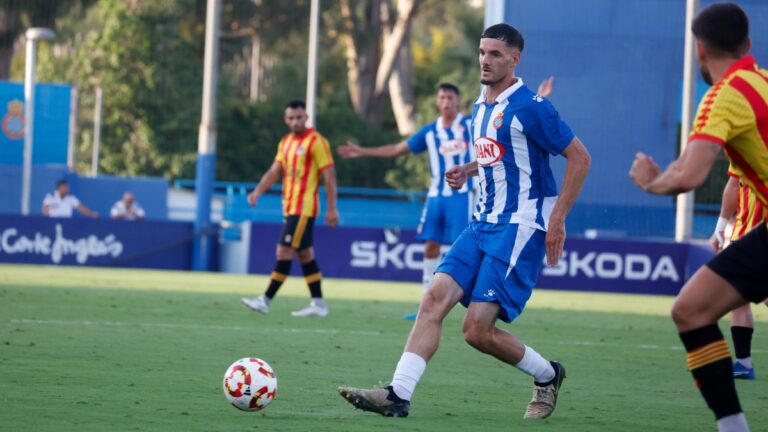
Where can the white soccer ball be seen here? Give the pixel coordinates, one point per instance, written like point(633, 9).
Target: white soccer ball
point(250, 384)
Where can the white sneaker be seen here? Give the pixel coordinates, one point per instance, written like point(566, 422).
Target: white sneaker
point(258, 304)
point(313, 309)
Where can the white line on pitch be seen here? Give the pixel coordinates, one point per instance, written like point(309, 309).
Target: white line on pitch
point(192, 326)
point(320, 331)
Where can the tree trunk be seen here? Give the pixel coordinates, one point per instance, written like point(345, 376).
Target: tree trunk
point(401, 87)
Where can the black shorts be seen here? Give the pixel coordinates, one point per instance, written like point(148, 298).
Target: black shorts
point(744, 264)
point(297, 232)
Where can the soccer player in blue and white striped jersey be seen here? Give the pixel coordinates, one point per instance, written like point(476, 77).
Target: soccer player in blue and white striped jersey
point(493, 265)
point(447, 142)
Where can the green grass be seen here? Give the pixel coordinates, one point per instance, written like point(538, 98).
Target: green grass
point(93, 350)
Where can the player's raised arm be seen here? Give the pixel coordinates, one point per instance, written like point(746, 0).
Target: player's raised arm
point(686, 173)
point(352, 150)
point(266, 182)
point(576, 170)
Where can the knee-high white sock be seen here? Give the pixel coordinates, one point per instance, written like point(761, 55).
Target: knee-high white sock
point(536, 366)
point(407, 375)
point(733, 423)
point(430, 265)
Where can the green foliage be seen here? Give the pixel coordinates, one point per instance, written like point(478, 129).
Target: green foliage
point(147, 57)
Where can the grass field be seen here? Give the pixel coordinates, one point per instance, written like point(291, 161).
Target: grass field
point(94, 350)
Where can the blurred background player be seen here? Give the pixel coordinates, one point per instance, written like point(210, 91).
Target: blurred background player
point(749, 213)
point(731, 116)
point(493, 265)
point(127, 208)
point(447, 211)
point(61, 203)
point(302, 156)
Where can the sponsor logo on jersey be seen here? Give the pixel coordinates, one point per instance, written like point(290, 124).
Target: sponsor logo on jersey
point(488, 151)
point(453, 148)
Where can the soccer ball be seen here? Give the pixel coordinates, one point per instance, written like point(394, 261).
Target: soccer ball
point(250, 384)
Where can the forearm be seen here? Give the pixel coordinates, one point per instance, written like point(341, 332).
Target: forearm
point(576, 170)
point(385, 151)
point(329, 175)
point(671, 182)
point(267, 180)
point(730, 198)
point(471, 169)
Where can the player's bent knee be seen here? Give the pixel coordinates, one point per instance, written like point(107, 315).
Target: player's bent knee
point(685, 316)
point(479, 338)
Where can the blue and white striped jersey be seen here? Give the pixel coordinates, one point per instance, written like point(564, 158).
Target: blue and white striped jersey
point(513, 138)
point(447, 147)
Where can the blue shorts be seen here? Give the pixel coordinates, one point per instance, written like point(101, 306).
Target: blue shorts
point(444, 218)
point(496, 263)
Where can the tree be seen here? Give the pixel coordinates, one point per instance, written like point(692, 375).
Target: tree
point(373, 39)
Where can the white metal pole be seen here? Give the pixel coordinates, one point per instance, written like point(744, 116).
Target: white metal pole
point(684, 212)
point(314, 18)
point(71, 144)
point(33, 35)
point(494, 12)
point(96, 148)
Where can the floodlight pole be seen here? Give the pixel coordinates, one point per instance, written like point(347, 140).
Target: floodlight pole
point(33, 35)
point(684, 211)
point(206, 143)
point(97, 115)
point(314, 18)
point(494, 12)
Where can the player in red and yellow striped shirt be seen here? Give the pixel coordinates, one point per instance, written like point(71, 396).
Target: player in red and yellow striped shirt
point(303, 155)
point(747, 212)
point(733, 116)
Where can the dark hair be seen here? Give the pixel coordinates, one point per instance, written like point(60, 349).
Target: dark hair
point(505, 33)
point(722, 27)
point(449, 87)
point(295, 104)
point(61, 183)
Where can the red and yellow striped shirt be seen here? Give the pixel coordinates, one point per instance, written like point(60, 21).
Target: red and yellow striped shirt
point(302, 158)
point(750, 212)
point(734, 114)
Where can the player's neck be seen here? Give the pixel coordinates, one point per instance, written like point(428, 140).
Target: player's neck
point(448, 120)
point(492, 91)
point(718, 68)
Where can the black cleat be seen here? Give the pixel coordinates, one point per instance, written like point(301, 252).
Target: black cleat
point(383, 401)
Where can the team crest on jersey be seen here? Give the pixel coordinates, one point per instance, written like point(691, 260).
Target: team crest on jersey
point(488, 151)
point(499, 120)
point(452, 148)
point(300, 150)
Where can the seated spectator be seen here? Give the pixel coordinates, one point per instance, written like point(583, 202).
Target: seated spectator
point(60, 203)
point(127, 208)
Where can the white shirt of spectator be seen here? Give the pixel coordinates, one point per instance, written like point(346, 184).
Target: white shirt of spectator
point(59, 207)
point(119, 210)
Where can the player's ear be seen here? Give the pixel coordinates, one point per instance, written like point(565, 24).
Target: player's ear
point(701, 51)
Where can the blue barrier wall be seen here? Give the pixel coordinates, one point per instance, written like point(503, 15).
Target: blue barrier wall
point(618, 67)
point(95, 242)
point(97, 193)
point(587, 265)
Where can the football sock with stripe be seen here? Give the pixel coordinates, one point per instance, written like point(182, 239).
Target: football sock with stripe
point(742, 344)
point(313, 277)
point(279, 275)
point(709, 360)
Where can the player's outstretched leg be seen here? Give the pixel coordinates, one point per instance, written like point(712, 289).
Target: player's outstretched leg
point(395, 400)
point(703, 300)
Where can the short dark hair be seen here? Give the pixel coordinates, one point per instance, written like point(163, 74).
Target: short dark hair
point(505, 33)
point(61, 182)
point(449, 87)
point(722, 27)
point(295, 104)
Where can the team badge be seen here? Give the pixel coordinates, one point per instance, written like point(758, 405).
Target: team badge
point(499, 120)
point(13, 121)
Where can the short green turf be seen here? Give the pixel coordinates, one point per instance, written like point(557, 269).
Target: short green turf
point(102, 349)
